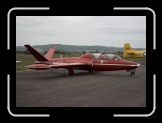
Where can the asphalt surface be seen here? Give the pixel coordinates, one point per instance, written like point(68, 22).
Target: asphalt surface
point(83, 89)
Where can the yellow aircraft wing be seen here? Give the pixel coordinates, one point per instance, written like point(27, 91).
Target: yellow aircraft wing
point(133, 52)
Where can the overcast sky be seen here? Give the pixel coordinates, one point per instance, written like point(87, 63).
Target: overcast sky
point(81, 30)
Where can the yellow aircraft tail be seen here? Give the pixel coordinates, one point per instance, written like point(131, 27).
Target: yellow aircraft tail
point(129, 52)
point(126, 47)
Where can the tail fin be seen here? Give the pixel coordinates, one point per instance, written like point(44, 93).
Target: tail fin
point(126, 47)
point(37, 55)
point(50, 52)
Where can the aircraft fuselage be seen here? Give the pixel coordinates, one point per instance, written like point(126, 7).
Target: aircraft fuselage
point(98, 65)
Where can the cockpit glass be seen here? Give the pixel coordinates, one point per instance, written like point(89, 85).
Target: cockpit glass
point(105, 56)
point(96, 55)
point(102, 57)
point(110, 56)
point(117, 58)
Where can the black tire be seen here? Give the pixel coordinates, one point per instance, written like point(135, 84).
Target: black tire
point(132, 73)
point(90, 71)
point(71, 74)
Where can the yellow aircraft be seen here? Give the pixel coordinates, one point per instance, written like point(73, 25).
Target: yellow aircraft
point(129, 52)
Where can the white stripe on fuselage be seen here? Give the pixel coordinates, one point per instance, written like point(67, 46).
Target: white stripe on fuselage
point(115, 64)
point(60, 63)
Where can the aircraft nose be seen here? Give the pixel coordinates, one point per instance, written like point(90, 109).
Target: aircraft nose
point(138, 65)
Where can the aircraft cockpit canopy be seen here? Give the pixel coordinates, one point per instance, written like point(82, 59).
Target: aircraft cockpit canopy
point(105, 56)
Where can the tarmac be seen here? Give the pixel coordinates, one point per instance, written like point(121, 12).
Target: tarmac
point(41, 88)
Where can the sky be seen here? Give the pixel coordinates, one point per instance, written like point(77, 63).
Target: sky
point(81, 30)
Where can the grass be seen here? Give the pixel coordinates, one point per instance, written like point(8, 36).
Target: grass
point(29, 59)
point(25, 60)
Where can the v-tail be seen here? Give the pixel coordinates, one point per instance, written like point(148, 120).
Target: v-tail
point(40, 57)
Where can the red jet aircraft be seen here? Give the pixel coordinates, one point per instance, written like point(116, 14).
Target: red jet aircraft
point(90, 61)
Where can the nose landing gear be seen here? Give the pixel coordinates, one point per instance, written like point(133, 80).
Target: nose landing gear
point(132, 73)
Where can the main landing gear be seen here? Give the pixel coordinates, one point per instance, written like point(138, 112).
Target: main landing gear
point(132, 73)
point(90, 71)
point(70, 72)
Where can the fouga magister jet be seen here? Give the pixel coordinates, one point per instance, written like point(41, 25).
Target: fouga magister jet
point(90, 62)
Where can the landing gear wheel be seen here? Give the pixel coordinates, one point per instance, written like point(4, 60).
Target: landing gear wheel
point(51, 70)
point(132, 73)
point(70, 72)
point(90, 71)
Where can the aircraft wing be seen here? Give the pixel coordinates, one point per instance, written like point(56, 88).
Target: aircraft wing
point(57, 65)
point(132, 52)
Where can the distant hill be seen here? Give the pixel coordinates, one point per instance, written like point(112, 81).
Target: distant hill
point(62, 47)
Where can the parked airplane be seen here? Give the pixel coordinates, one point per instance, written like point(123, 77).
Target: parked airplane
point(90, 61)
point(129, 52)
